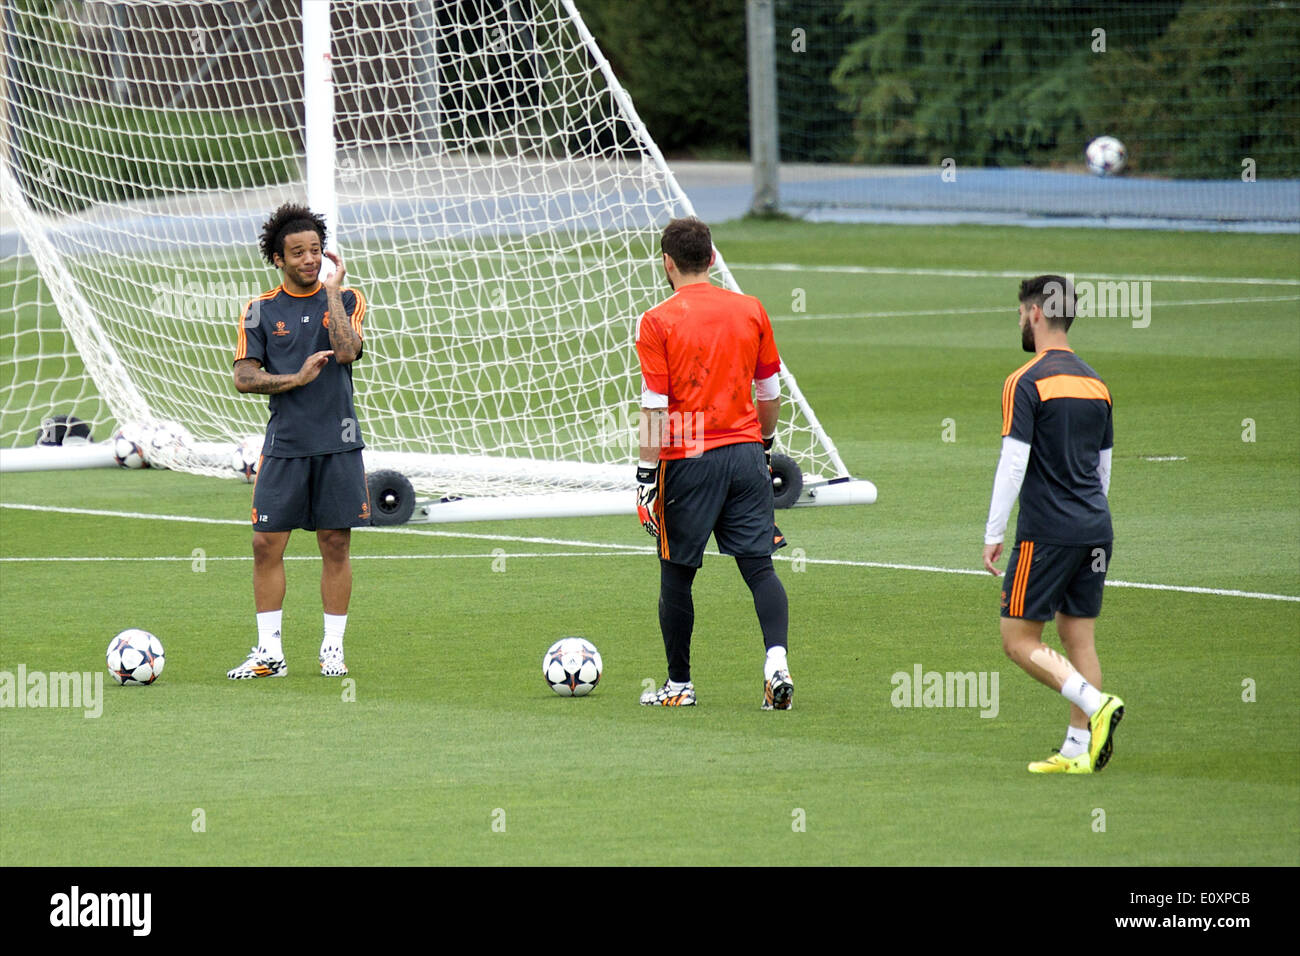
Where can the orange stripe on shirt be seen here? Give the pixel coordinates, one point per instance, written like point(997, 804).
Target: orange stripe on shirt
point(1009, 393)
point(1072, 386)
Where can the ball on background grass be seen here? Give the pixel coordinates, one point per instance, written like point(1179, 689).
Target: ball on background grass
point(572, 667)
point(135, 657)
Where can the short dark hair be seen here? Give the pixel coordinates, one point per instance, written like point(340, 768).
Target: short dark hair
point(1054, 295)
point(285, 221)
point(688, 243)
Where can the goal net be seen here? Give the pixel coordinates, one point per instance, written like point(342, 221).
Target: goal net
point(499, 204)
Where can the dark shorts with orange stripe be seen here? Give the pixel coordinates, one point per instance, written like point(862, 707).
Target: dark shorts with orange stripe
point(1042, 579)
point(317, 492)
point(726, 492)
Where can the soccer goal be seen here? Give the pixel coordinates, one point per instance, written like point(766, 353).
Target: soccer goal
point(485, 178)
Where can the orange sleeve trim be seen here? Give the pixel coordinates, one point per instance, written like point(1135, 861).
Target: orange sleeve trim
point(359, 311)
point(1072, 386)
point(241, 343)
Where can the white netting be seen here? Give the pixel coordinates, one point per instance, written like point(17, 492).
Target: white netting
point(499, 206)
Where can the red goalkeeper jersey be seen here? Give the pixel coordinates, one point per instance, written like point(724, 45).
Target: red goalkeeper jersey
point(703, 347)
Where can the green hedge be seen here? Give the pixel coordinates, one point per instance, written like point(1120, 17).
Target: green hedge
point(1192, 88)
point(684, 64)
point(95, 154)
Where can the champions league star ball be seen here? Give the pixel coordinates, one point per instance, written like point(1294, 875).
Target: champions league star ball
point(1106, 155)
point(246, 456)
point(167, 443)
point(127, 451)
point(135, 657)
point(572, 667)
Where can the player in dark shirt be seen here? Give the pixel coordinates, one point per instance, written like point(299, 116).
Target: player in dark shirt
point(297, 344)
point(1057, 436)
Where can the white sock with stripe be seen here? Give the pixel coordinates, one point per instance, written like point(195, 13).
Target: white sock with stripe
point(1082, 694)
point(1076, 742)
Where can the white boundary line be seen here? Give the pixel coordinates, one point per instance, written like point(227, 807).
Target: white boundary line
point(1000, 274)
point(993, 310)
point(614, 549)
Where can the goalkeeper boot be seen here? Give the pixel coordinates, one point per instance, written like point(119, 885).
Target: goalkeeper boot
point(331, 663)
point(670, 695)
point(1103, 724)
point(1057, 763)
point(259, 663)
point(778, 691)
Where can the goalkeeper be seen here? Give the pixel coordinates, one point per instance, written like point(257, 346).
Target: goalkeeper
point(297, 344)
point(705, 453)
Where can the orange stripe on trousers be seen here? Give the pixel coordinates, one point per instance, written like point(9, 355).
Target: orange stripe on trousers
point(1021, 584)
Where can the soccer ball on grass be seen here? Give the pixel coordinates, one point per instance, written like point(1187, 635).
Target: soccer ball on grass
point(128, 450)
point(572, 667)
point(135, 657)
point(167, 444)
point(246, 456)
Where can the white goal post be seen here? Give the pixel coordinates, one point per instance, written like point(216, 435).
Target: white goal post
point(485, 178)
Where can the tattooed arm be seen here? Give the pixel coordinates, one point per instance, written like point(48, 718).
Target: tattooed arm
point(251, 377)
point(344, 339)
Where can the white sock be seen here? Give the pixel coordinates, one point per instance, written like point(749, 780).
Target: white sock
point(335, 625)
point(1082, 694)
point(1076, 741)
point(677, 686)
point(268, 632)
point(776, 661)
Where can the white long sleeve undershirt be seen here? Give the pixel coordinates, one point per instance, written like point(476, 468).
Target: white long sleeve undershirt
point(1011, 475)
point(1006, 488)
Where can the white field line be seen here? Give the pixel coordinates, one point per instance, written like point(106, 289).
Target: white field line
point(993, 310)
point(616, 549)
point(1001, 274)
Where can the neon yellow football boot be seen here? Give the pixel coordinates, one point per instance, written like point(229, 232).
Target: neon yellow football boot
point(1059, 764)
point(1103, 724)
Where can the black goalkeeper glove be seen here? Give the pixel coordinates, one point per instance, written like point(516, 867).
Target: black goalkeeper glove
point(767, 451)
point(647, 494)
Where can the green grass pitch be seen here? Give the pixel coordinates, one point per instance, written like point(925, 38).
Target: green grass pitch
point(446, 747)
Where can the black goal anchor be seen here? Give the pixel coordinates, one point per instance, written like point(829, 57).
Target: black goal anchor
point(392, 498)
point(787, 481)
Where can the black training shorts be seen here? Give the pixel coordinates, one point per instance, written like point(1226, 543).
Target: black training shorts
point(317, 492)
point(1042, 579)
point(726, 492)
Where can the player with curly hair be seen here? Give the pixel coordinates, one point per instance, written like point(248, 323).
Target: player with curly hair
point(296, 344)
